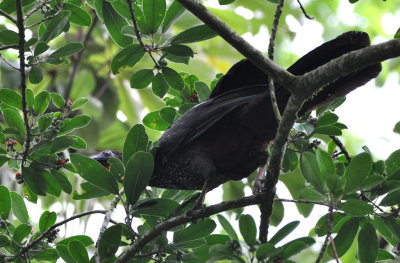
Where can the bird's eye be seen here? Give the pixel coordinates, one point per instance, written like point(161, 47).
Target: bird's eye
point(107, 153)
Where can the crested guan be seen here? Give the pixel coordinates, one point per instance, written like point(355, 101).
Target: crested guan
point(224, 138)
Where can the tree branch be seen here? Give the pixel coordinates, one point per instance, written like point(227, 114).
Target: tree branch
point(78, 59)
point(279, 74)
point(53, 227)
point(12, 19)
point(8, 47)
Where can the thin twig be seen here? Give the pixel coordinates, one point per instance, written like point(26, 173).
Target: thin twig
point(107, 219)
point(55, 226)
point(304, 11)
point(39, 6)
point(44, 19)
point(21, 43)
point(8, 47)
point(341, 147)
point(334, 250)
point(299, 201)
point(8, 63)
point(137, 33)
point(329, 222)
point(271, 89)
point(12, 19)
point(78, 59)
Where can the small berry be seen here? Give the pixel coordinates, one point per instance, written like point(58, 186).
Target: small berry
point(19, 178)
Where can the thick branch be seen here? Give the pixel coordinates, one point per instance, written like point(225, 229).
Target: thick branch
point(350, 62)
point(279, 74)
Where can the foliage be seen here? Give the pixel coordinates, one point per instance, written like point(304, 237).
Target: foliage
point(79, 57)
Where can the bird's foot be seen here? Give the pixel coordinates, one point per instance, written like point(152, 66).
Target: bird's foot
point(189, 213)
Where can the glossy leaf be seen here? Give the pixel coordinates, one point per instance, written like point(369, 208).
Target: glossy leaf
point(127, 57)
point(40, 48)
point(159, 85)
point(55, 26)
point(78, 252)
point(57, 100)
point(78, 15)
point(194, 34)
point(173, 78)
point(392, 198)
point(93, 172)
point(138, 172)
point(310, 170)
point(284, 231)
point(74, 123)
point(5, 204)
point(345, 236)
point(154, 11)
point(227, 227)
point(158, 207)
point(21, 232)
point(62, 143)
point(34, 179)
point(19, 207)
point(79, 103)
point(267, 250)
point(9, 37)
point(114, 24)
point(35, 75)
point(63, 251)
point(47, 219)
point(62, 180)
point(135, 141)
point(85, 240)
point(174, 11)
point(359, 168)
point(49, 254)
point(327, 119)
point(109, 241)
point(141, 78)
point(367, 244)
point(168, 114)
point(66, 50)
point(356, 207)
point(41, 102)
point(11, 97)
point(225, 2)
point(195, 231)
point(248, 229)
point(393, 163)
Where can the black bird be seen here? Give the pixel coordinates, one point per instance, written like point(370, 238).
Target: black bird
point(224, 138)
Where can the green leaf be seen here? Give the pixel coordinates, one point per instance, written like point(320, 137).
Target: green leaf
point(49, 254)
point(311, 194)
point(328, 130)
point(9, 37)
point(345, 236)
point(225, 2)
point(396, 128)
point(327, 119)
point(321, 228)
point(41, 102)
point(179, 51)
point(78, 15)
point(168, 114)
point(311, 172)
point(109, 241)
point(135, 141)
point(59, 144)
point(154, 121)
point(195, 231)
point(367, 244)
point(141, 78)
point(202, 90)
point(44, 122)
point(393, 162)
point(35, 75)
point(277, 214)
point(30, 98)
point(127, 57)
point(384, 255)
point(62, 180)
point(47, 219)
point(359, 168)
point(34, 179)
point(40, 48)
point(173, 78)
point(78, 252)
point(228, 227)
point(194, 34)
point(57, 99)
point(159, 85)
point(154, 11)
point(296, 246)
point(79, 103)
point(397, 34)
point(144, 27)
point(21, 232)
point(356, 207)
point(114, 24)
point(159, 207)
point(267, 250)
point(248, 229)
point(55, 26)
point(11, 98)
point(67, 50)
point(5, 204)
point(19, 208)
point(8, 6)
point(93, 172)
point(325, 163)
point(74, 123)
point(392, 198)
point(62, 250)
point(14, 120)
point(85, 240)
point(138, 172)
point(284, 231)
point(174, 11)
point(4, 241)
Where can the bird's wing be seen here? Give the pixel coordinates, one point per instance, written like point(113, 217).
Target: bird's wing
point(200, 118)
